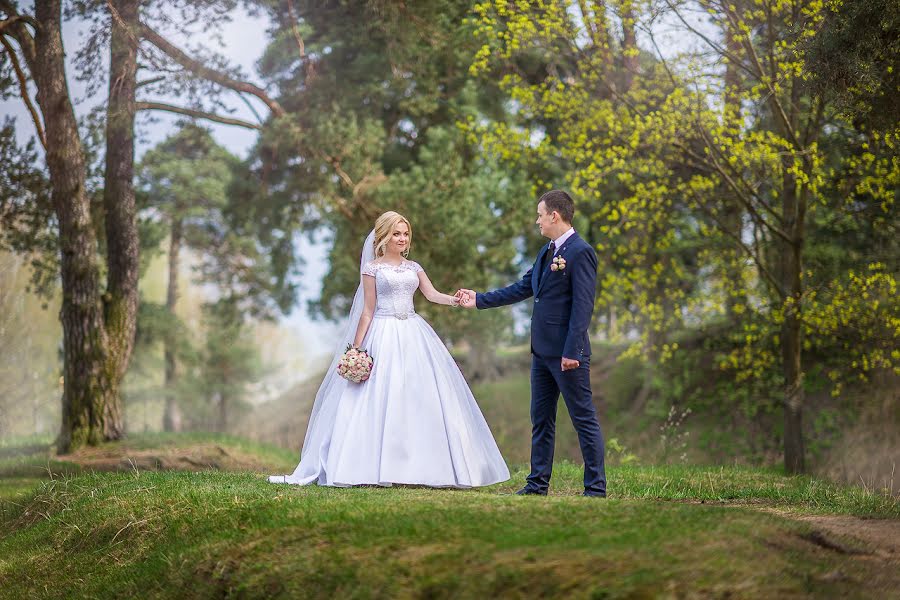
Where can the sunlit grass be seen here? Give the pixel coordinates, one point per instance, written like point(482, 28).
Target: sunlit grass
point(679, 530)
point(177, 534)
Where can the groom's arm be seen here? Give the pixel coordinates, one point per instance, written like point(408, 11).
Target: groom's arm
point(511, 294)
point(584, 286)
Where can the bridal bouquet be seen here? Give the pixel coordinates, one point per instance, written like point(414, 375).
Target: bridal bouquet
point(355, 364)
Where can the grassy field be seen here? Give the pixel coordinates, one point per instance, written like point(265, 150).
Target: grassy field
point(663, 532)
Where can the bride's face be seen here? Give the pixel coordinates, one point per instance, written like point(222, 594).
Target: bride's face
point(399, 240)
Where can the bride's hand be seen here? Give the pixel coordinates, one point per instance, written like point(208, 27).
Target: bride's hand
point(466, 298)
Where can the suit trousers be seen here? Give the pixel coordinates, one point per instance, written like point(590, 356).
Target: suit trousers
point(547, 381)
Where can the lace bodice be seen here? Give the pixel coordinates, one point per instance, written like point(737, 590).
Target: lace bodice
point(394, 287)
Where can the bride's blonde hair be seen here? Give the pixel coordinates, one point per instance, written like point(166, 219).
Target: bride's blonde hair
point(384, 228)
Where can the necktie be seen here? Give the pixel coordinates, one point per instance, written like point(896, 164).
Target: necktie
point(548, 256)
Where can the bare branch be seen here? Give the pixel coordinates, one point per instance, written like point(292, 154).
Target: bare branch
point(659, 56)
point(23, 88)
point(335, 162)
point(814, 124)
point(716, 167)
point(197, 114)
point(588, 22)
point(150, 81)
point(8, 22)
point(295, 29)
point(759, 75)
point(767, 275)
point(251, 107)
point(359, 188)
point(739, 194)
point(747, 43)
point(737, 174)
point(15, 24)
point(213, 75)
point(10, 9)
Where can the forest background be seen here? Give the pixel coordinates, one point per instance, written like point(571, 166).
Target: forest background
point(735, 165)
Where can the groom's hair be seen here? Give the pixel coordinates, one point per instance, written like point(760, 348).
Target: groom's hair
point(561, 202)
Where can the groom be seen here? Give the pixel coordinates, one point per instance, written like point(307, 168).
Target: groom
point(562, 281)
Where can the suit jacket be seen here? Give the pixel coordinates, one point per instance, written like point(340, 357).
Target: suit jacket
point(563, 300)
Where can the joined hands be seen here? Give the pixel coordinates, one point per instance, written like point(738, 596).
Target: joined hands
point(466, 298)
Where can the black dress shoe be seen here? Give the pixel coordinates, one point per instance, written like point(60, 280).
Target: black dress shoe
point(588, 494)
point(527, 491)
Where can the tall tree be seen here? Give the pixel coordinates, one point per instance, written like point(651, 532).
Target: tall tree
point(99, 324)
point(185, 180)
point(90, 404)
point(230, 361)
point(122, 256)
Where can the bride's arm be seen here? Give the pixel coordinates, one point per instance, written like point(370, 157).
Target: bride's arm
point(432, 294)
point(368, 310)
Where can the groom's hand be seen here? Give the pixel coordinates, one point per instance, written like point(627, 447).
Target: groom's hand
point(466, 298)
point(569, 363)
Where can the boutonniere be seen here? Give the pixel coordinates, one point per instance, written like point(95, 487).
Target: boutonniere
point(558, 264)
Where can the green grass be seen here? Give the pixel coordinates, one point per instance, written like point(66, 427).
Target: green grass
point(204, 534)
point(16, 489)
point(670, 531)
point(751, 486)
point(20, 441)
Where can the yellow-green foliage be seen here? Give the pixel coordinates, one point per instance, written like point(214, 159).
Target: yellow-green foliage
point(672, 168)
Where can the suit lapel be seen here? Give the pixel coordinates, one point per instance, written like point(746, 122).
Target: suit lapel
point(538, 273)
point(546, 272)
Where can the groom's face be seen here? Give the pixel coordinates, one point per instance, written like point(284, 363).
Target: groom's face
point(546, 221)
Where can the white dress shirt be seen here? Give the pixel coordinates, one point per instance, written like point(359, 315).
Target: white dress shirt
point(562, 239)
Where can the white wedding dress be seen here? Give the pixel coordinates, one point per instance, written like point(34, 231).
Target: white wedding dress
point(414, 421)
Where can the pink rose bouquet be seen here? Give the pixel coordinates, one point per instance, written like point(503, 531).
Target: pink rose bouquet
point(355, 364)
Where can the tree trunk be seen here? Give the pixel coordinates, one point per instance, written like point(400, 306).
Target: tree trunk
point(733, 215)
point(172, 414)
point(793, 210)
point(612, 324)
point(87, 382)
point(794, 452)
point(629, 44)
point(223, 412)
point(594, 18)
point(121, 298)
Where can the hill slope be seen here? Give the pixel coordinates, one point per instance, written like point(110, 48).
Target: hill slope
point(677, 531)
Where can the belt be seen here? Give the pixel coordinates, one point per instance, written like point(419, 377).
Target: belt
point(398, 315)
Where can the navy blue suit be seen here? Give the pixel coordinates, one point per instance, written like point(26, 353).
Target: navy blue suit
point(563, 305)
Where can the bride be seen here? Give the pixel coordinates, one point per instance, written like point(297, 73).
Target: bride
point(414, 421)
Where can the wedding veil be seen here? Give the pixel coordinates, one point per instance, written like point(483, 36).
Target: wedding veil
point(330, 390)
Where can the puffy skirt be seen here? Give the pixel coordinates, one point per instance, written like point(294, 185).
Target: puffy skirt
point(414, 421)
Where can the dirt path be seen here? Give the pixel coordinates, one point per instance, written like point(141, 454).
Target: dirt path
point(194, 458)
point(881, 537)
point(866, 552)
